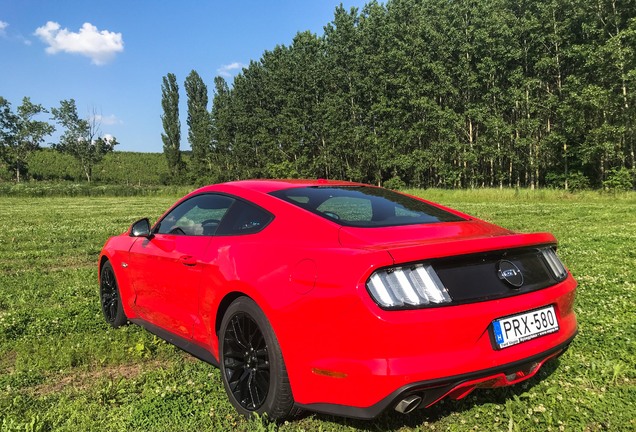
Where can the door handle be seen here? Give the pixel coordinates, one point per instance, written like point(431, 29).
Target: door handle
point(188, 260)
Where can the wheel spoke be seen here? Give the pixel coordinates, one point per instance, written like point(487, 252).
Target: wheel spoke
point(234, 354)
point(234, 378)
point(238, 333)
point(234, 363)
point(255, 337)
point(105, 299)
point(253, 390)
point(262, 381)
point(112, 311)
point(243, 384)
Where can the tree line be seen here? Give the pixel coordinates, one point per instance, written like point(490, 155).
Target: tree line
point(428, 93)
point(422, 93)
point(117, 167)
point(22, 134)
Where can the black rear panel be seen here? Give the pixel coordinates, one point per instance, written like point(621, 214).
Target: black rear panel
point(471, 278)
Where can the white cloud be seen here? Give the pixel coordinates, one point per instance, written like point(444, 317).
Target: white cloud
point(226, 70)
point(108, 120)
point(100, 46)
point(18, 37)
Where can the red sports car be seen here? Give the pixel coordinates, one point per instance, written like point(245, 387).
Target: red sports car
point(340, 297)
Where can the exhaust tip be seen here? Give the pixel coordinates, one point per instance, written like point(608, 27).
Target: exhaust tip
point(408, 404)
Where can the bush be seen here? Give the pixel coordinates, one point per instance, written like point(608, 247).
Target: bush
point(619, 180)
point(576, 181)
point(5, 175)
point(395, 183)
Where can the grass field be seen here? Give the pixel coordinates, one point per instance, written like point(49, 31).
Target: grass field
point(61, 368)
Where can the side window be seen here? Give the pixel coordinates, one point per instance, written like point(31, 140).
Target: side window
point(244, 218)
point(199, 216)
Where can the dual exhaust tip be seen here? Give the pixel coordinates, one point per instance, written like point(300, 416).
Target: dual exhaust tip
point(408, 404)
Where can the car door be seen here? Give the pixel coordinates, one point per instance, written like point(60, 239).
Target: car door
point(229, 255)
point(166, 269)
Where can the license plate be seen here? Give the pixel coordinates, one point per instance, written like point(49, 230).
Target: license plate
point(522, 327)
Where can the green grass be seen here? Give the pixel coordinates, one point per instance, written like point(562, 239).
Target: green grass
point(62, 368)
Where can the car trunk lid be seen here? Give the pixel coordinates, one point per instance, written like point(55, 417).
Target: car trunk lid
point(410, 243)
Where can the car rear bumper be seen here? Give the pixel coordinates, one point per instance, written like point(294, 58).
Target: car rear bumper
point(456, 387)
point(357, 360)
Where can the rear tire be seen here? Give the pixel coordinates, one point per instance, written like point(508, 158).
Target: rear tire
point(251, 362)
point(110, 298)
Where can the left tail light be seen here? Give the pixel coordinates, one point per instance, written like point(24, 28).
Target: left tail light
point(407, 286)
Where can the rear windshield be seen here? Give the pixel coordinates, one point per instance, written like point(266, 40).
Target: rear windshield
point(363, 206)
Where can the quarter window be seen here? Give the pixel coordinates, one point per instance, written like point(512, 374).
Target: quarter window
point(244, 218)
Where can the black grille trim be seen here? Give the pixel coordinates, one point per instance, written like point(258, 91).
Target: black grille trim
point(474, 278)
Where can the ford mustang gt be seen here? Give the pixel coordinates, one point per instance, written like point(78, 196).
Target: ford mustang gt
point(340, 297)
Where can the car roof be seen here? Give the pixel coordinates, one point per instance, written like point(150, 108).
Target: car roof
point(266, 186)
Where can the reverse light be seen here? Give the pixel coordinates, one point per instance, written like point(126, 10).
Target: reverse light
point(413, 286)
point(556, 266)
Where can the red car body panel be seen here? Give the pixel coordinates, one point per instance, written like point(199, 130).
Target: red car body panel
point(308, 275)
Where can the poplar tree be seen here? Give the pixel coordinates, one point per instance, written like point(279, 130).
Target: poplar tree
point(199, 124)
point(223, 130)
point(171, 125)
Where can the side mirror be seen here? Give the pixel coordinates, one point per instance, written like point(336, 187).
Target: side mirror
point(141, 228)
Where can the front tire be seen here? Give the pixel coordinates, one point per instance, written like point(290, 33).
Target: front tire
point(110, 298)
point(252, 366)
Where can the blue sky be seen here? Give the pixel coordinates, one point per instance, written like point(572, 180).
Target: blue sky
point(110, 56)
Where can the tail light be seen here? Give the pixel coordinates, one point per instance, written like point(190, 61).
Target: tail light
point(408, 286)
point(556, 266)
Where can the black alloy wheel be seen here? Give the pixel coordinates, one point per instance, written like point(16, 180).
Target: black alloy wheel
point(110, 298)
point(246, 361)
point(252, 366)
